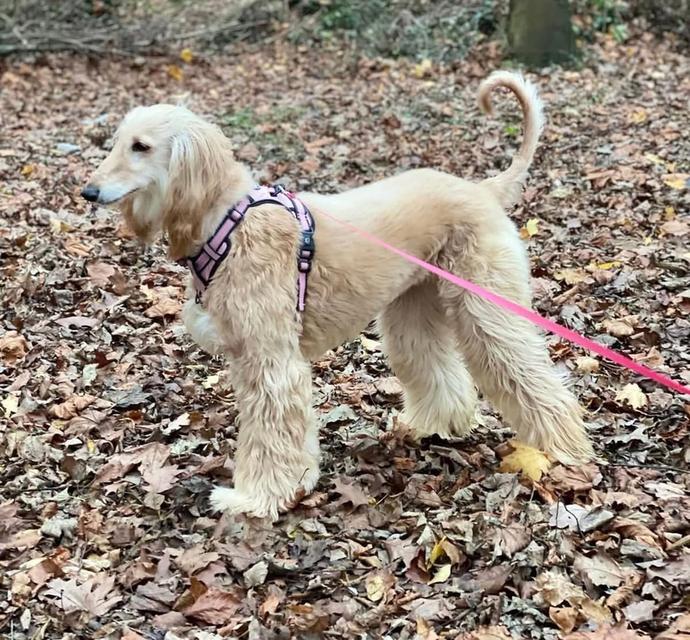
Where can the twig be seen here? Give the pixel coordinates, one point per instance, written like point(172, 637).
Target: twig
point(681, 542)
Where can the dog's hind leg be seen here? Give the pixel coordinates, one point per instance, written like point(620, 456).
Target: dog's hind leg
point(439, 396)
point(506, 355)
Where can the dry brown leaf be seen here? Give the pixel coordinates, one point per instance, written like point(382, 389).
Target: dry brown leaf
point(93, 596)
point(72, 406)
point(565, 617)
point(618, 328)
point(13, 347)
point(602, 570)
point(164, 307)
point(214, 606)
point(607, 632)
point(100, 273)
point(486, 633)
point(350, 492)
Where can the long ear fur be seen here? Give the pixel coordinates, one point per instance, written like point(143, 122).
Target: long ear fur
point(143, 230)
point(200, 166)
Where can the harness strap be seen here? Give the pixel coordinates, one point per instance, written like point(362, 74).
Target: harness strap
point(205, 263)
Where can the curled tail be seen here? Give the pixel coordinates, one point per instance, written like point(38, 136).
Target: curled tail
point(508, 185)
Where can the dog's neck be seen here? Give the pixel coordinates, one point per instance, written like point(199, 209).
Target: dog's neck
point(236, 182)
point(238, 187)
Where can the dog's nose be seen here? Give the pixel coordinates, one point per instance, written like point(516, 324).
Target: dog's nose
point(90, 192)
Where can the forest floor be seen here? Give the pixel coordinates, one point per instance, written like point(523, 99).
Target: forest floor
point(114, 426)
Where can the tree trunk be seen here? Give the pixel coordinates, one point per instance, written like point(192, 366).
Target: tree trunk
point(540, 31)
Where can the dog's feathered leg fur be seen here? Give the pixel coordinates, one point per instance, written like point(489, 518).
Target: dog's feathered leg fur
point(277, 448)
point(507, 355)
point(439, 396)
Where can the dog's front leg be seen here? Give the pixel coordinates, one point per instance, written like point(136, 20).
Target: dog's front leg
point(277, 455)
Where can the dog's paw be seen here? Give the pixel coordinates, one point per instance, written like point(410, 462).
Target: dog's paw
point(233, 501)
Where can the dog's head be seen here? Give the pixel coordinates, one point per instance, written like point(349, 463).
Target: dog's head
point(166, 170)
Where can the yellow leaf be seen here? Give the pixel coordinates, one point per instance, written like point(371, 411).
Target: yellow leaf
point(186, 55)
point(633, 395)
point(59, 226)
point(669, 213)
point(638, 116)
point(91, 446)
point(608, 265)
point(436, 553)
point(175, 72)
point(423, 68)
point(527, 460)
point(530, 229)
point(654, 159)
point(28, 169)
point(571, 276)
point(376, 588)
point(441, 575)
point(585, 364)
point(676, 180)
point(647, 240)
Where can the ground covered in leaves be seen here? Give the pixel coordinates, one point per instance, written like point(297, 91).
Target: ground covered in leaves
point(114, 425)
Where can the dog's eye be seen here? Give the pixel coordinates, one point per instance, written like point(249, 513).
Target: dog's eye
point(139, 147)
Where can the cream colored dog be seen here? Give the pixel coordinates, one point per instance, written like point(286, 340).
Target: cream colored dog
point(171, 172)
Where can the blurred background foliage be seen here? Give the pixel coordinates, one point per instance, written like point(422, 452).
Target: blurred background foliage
point(423, 29)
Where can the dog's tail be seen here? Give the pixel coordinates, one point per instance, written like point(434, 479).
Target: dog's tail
point(508, 185)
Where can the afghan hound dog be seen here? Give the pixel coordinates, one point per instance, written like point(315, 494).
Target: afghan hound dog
point(254, 253)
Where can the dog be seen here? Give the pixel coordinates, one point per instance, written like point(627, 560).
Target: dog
point(173, 173)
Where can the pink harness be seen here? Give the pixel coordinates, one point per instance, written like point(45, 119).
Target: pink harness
point(205, 263)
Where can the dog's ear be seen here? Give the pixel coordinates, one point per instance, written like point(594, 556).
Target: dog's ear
point(196, 174)
point(143, 230)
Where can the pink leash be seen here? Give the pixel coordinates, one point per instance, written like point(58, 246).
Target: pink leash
point(523, 312)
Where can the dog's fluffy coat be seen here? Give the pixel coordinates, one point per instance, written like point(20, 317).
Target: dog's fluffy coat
point(439, 338)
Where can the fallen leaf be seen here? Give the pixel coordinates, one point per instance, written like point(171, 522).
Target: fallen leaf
point(187, 56)
point(633, 395)
point(606, 632)
point(10, 405)
point(92, 596)
point(585, 364)
point(13, 347)
point(677, 180)
point(423, 68)
point(618, 328)
point(164, 307)
point(601, 570)
point(214, 606)
point(72, 406)
point(578, 518)
point(640, 611)
point(175, 72)
point(350, 492)
point(526, 460)
point(378, 585)
point(530, 229)
point(442, 574)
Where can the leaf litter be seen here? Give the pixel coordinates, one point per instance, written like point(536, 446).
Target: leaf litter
point(115, 426)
